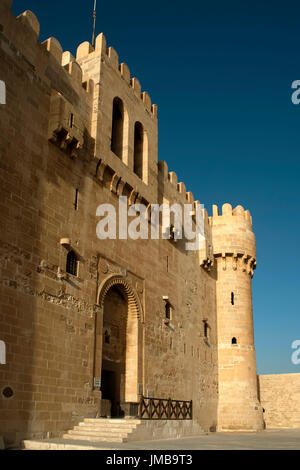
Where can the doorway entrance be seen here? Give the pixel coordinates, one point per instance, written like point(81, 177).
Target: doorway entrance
point(119, 346)
point(114, 349)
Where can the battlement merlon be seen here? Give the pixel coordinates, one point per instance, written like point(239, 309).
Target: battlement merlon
point(232, 235)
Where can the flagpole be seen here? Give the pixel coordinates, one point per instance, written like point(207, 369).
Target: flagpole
point(94, 24)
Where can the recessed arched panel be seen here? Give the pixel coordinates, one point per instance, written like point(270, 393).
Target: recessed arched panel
point(140, 158)
point(131, 328)
point(117, 131)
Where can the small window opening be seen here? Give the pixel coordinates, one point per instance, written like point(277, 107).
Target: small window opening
point(76, 199)
point(7, 392)
point(234, 341)
point(72, 263)
point(106, 337)
point(232, 298)
point(71, 120)
point(168, 311)
point(206, 330)
point(172, 232)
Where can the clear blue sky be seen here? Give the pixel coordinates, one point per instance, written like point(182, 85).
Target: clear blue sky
point(221, 74)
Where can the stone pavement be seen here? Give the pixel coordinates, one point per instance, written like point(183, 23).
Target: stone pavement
point(267, 440)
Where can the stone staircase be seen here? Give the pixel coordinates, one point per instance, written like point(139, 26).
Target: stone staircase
point(103, 430)
point(107, 434)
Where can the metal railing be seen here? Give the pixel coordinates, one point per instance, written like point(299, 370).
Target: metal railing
point(158, 408)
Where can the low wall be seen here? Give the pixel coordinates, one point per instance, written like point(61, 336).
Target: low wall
point(280, 397)
point(165, 429)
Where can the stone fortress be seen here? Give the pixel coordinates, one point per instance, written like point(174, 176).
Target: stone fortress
point(90, 326)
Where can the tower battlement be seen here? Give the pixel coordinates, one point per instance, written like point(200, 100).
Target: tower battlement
point(229, 215)
point(110, 55)
point(85, 49)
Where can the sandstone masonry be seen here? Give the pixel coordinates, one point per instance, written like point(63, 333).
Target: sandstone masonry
point(141, 317)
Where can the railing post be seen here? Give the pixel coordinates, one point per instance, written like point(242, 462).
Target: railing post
point(169, 409)
point(150, 407)
point(140, 407)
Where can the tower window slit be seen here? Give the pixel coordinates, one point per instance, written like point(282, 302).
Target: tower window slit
point(76, 199)
point(168, 311)
point(106, 337)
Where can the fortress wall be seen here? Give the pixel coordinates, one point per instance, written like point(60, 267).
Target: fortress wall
point(48, 321)
point(280, 399)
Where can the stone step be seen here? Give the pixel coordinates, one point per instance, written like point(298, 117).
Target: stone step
point(124, 422)
point(103, 429)
point(62, 444)
point(87, 432)
point(109, 425)
point(84, 437)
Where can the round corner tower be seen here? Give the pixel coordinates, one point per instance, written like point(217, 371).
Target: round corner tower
point(235, 256)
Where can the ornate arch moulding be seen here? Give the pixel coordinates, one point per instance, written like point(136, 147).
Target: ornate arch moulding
point(135, 308)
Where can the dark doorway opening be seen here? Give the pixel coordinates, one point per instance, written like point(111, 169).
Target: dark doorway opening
point(114, 350)
point(109, 391)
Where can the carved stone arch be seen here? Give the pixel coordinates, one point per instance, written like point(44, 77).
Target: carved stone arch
point(133, 377)
point(135, 308)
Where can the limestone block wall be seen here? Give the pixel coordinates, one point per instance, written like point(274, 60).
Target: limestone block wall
point(280, 398)
point(52, 179)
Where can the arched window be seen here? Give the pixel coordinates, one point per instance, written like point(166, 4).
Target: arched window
point(138, 149)
point(117, 128)
point(72, 263)
point(234, 341)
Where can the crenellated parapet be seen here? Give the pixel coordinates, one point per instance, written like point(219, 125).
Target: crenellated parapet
point(175, 192)
point(233, 239)
point(170, 180)
point(239, 214)
point(53, 47)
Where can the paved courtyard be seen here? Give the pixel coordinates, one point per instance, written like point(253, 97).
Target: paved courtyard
point(267, 440)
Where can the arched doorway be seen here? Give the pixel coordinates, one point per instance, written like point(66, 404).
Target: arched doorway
point(114, 349)
point(119, 345)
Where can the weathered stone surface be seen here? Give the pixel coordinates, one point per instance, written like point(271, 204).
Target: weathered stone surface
point(62, 156)
point(280, 398)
